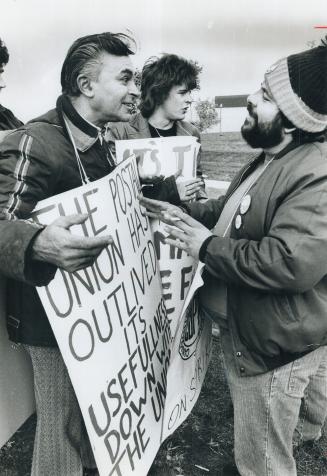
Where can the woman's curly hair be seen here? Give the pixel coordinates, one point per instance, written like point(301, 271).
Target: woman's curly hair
point(159, 75)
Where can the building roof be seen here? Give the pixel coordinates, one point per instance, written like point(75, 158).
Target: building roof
point(238, 100)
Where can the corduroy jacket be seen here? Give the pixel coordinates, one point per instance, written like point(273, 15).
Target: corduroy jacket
point(275, 261)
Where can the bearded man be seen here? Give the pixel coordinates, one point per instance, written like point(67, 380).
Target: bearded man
point(265, 278)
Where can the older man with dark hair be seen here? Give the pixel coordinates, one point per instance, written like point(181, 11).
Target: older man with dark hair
point(8, 120)
point(265, 279)
point(56, 152)
point(166, 87)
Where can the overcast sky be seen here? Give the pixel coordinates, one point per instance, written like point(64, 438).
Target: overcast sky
point(234, 40)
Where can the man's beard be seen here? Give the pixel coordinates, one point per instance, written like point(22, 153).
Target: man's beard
point(264, 135)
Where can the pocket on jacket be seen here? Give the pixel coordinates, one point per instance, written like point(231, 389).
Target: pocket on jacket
point(265, 322)
point(13, 322)
point(14, 305)
point(13, 328)
point(287, 307)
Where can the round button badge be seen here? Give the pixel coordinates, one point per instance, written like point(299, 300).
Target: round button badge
point(238, 222)
point(245, 204)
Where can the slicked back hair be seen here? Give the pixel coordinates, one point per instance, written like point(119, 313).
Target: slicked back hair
point(84, 57)
point(4, 54)
point(159, 75)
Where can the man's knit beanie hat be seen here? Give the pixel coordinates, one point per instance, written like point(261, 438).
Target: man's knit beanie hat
point(298, 84)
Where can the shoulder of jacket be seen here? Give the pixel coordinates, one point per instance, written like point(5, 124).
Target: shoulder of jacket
point(308, 153)
point(50, 117)
point(33, 136)
point(320, 148)
point(307, 164)
point(121, 130)
point(35, 128)
point(190, 128)
point(46, 124)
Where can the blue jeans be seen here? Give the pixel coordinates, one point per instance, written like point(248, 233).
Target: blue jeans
point(266, 411)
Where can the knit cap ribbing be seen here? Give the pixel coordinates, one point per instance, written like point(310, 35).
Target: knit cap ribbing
point(298, 84)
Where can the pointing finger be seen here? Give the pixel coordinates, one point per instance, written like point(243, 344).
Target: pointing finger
point(179, 244)
point(70, 220)
point(90, 243)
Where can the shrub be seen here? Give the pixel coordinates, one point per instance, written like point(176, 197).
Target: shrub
point(207, 113)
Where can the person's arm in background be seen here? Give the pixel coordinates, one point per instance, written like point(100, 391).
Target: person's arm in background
point(170, 190)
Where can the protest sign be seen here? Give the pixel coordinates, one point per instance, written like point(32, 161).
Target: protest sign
point(111, 324)
point(114, 331)
point(191, 345)
point(190, 356)
point(165, 156)
point(162, 156)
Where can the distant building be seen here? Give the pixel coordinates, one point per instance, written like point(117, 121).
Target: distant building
point(231, 111)
point(238, 100)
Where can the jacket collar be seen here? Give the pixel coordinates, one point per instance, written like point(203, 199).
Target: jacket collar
point(85, 134)
point(141, 127)
point(297, 143)
point(291, 146)
point(248, 168)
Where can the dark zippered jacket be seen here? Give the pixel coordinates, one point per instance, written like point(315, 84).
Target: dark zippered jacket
point(275, 261)
point(38, 161)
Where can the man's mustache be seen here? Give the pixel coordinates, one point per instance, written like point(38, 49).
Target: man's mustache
point(249, 107)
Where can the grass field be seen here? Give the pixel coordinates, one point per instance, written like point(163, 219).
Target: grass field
point(204, 442)
point(224, 154)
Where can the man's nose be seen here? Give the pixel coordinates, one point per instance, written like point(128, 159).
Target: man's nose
point(133, 89)
point(2, 83)
point(252, 99)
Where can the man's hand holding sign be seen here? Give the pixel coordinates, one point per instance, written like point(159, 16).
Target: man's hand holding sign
point(58, 246)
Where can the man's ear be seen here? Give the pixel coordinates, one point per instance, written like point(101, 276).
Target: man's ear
point(85, 85)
